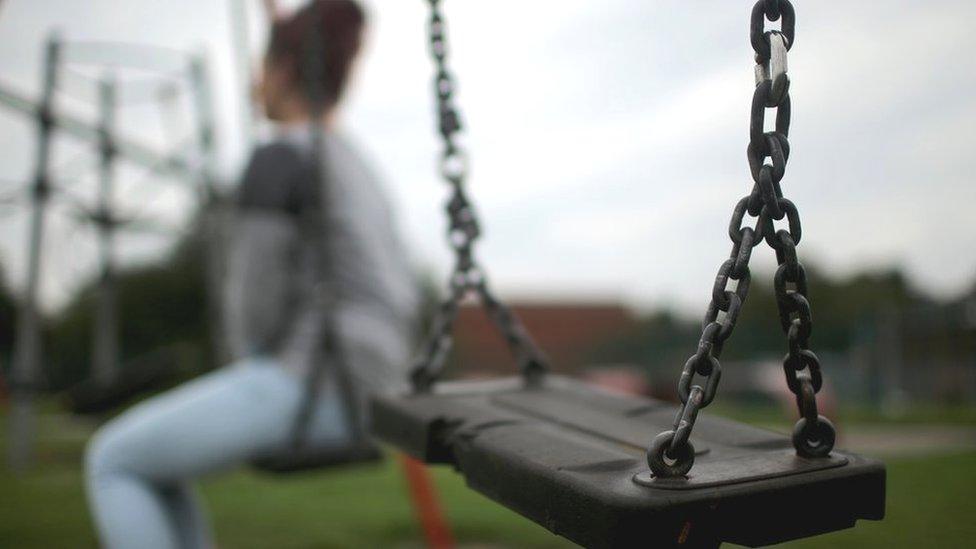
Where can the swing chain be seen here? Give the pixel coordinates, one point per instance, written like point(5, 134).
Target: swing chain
point(671, 454)
point(467, 276)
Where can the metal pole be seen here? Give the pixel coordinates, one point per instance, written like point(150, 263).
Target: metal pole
point(241, 45)
point(28, 345)
point(212, 213)
point(71, 125)
point(894, 398)
point(105, 360)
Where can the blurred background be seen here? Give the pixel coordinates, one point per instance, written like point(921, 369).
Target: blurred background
point(607, 150)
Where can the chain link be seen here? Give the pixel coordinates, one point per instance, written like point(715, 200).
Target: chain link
point(671, 453)
point(467, 277)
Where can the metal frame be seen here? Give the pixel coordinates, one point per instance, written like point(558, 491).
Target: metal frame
point(111, 148)
point(28, 345)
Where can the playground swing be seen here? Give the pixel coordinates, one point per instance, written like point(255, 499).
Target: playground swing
point(301, 454)
point(575, 459)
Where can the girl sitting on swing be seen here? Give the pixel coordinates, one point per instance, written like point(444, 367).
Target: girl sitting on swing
point(140, 466)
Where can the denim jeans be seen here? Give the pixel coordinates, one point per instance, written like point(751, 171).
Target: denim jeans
point(140, 466)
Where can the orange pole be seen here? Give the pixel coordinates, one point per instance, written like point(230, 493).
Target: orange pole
point(423, 494)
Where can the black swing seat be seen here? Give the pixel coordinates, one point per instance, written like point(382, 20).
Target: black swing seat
point(308, 459)
point(571, 457)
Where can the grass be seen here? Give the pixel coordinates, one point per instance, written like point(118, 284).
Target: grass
point(929, 505)
point(917, 414)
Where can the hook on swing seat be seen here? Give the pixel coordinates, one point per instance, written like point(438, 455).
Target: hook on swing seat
point(571, 457)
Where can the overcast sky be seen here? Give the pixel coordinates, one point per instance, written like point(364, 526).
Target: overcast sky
point(607, 138)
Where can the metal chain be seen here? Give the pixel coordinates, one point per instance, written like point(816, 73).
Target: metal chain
point(467, 276)
point(671, 453)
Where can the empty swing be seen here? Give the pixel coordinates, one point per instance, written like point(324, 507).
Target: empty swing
point(576, 459)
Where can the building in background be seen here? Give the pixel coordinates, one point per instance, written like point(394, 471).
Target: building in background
point(571, 334)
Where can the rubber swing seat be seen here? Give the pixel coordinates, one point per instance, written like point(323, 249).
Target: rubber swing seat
point(313, 459)
point(571, 457)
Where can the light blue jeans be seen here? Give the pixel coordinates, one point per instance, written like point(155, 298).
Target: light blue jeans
point(139, 467)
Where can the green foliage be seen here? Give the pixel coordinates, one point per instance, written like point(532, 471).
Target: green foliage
point(842, 310)
point(161, 304)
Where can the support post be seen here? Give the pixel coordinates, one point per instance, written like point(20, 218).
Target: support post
point(894, 398)
point(68, 124)
point(27, 353)
point(105, 358)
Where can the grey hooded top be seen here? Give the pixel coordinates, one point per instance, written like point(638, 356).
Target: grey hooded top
point(272, 298)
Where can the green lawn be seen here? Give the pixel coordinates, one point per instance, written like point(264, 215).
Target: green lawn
point(930, 504)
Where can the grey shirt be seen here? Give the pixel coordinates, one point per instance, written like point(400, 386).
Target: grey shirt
point(274, 290)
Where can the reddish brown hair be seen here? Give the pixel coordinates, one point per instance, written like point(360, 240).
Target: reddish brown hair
point(340, 27)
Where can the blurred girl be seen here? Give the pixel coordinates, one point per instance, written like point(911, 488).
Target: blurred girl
point(140, 466)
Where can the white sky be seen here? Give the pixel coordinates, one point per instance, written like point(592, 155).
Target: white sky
point(608, 138)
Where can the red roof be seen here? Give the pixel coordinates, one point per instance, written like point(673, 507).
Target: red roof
point(567, 332)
